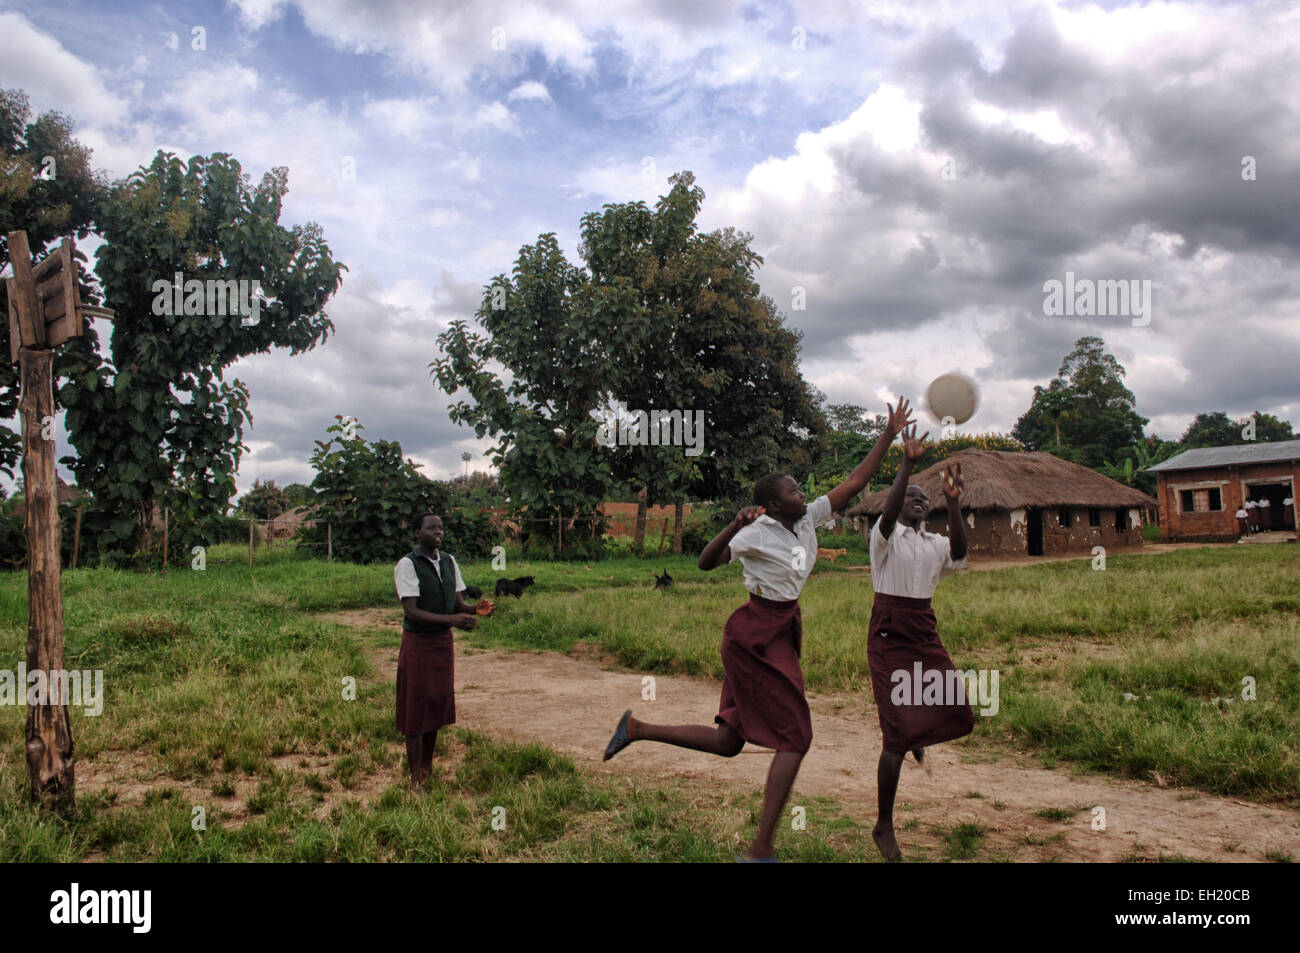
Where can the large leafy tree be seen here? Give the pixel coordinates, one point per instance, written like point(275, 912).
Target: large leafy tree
point(641, 261)
point(155, 422)
point(662, 317)
point(558, 345)
point(1085, 414)
point(48, 189)
point(1216, 429)
point(742, 363)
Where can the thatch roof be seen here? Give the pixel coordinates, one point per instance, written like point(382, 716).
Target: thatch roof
point(999, 480)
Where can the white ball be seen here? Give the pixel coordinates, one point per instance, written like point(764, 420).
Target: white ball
point(952, 395)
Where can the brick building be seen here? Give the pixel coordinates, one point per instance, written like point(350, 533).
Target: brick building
point(1030, 503)
point(1201, 490)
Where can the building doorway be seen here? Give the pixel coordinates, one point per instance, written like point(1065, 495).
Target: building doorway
point(1273, 516)
point(1034, 531)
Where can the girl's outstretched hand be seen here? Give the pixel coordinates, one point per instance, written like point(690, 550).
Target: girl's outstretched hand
point(898, 419)
point(913, 448)
point(952, 484)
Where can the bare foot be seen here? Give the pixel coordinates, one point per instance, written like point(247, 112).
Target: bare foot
point(884, 838)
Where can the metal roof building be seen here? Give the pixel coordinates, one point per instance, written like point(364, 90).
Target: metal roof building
point(1201, 491)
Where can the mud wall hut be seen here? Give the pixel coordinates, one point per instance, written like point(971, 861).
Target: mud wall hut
point(1028, 503)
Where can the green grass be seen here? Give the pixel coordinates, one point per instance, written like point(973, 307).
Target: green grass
point(225, 688)
point(1177, 630)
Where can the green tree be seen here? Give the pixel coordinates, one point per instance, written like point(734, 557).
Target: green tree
point(1085, 414)
point(543, 326)
point(1131, 466)
point(661, 318)
point(264, 501)
point(47, 188)
point(369, 495)
point(297, 494)
point(1216, 429)
point(156, 423)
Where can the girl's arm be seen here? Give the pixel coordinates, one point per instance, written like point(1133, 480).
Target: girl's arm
point(952, 486)
point(861, 476)
point(913, 450)
point(718, 552)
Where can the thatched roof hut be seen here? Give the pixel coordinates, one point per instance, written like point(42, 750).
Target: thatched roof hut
point(999, 480)
point(1032, 503)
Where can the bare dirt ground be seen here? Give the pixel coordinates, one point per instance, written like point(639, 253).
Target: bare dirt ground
point(572, 704)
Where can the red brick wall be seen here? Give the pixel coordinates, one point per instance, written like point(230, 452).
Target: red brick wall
point(1176, 525)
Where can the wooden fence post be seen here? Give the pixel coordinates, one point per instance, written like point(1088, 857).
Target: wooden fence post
point(76, 538)
point(250, 542)
point(329, 542)
point(48, 731)
point(166, 526)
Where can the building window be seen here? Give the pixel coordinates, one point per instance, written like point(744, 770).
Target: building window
point(1189, 505)
point(1094, 517)
point(1216, 499)
point(1063, 517)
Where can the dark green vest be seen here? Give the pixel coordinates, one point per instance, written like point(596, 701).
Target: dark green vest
point(437, 595)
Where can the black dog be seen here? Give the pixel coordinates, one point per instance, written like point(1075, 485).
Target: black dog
point(664, 581)
point(513, 587)
point(473, 593)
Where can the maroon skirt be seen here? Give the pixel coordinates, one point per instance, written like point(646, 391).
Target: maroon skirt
point(762, 683)
point(426, 698)
point(903, 633)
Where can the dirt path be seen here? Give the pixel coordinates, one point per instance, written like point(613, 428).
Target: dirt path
point(573, 704)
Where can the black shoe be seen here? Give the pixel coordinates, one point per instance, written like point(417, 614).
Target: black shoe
point(620, 739)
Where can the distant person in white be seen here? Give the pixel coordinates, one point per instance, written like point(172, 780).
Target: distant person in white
point(1265, 514)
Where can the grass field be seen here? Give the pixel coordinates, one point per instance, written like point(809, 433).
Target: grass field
point(223, 682)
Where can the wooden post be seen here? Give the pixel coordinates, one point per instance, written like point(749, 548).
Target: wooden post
point(49, 731)
point(329, 542)
point(166, 515)
point(662, 536)
point(250, 542)
point(44, 311)
point(76, 537)
point(560, 522)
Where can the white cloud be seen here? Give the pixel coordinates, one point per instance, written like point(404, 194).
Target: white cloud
point(530, 89)
point(52, 77)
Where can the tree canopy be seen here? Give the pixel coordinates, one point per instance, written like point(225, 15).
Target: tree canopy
point(1085, 414)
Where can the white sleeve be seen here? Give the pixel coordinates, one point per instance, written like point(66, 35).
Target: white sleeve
point(819, 511)
point(742, 543)
point(408, 584)
point(878, 547)
point(460, 583)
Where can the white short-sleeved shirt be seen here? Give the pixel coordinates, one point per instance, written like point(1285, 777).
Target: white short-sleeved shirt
point(1251, 504)
point(910, 563)
point(1265, 503)
point(1288, 501)
point(776, 561)
point(1241, 514)
point(408, 583)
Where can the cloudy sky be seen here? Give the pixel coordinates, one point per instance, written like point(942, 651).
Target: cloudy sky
point(919, 169)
